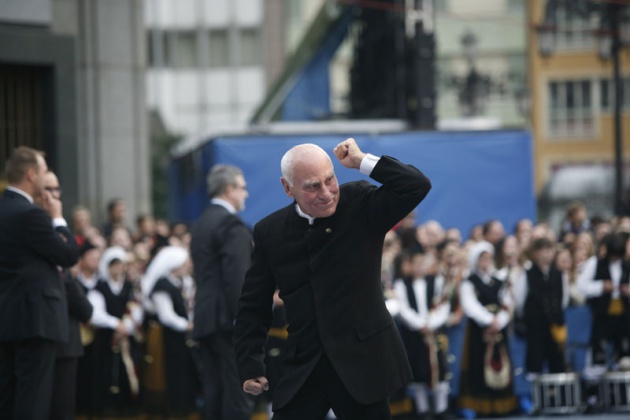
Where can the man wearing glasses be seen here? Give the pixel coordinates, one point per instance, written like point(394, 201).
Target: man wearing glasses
point(220, 248)
point(79, 310)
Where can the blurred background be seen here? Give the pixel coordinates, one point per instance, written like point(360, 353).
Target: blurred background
point(522, 104)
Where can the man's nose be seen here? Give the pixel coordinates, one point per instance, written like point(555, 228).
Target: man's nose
point(326, 193)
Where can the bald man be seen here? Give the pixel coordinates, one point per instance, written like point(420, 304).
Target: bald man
point(323, 253)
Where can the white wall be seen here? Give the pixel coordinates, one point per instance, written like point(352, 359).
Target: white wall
point(38, 12)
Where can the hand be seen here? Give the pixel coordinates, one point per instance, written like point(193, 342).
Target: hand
point(607, 286)
point(256, 386)
point(625, 289)
point(120, 331)
point(190, 326)
point(51, 204)
point(493, 328)
point(455, 318)
point(349, 154)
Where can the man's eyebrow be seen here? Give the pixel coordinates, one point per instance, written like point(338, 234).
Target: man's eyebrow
point(308, 184)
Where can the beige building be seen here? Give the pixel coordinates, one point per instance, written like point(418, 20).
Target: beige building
point(572, 97)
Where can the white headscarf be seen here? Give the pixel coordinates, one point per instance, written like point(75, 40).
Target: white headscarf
point(476, 251)
point(168, 259)
point(110, 254)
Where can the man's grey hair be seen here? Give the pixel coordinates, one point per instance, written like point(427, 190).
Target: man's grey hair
point(220, 177)
point(299, 151)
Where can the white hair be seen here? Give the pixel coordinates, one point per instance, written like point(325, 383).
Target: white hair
point(294, 153)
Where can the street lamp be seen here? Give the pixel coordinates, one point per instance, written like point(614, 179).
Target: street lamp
point(615, 31)
point(624, 30)
point(547, 31)
point(476, 87)
point(546, 39)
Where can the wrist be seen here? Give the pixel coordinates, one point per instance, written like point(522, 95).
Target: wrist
point(359, 159)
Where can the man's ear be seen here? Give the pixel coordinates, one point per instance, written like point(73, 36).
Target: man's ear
point(31, 173)
point(287, 187)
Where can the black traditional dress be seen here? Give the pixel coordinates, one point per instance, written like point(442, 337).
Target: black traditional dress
point(117, 391)
point(425, 352)
point(181, 377)
point(486, 378)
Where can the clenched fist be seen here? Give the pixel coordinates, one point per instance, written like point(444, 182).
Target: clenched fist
point(349, 154)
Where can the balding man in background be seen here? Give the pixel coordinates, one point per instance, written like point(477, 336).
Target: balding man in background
point(220, 249)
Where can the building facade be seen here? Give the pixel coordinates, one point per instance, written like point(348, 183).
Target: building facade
point(72, 76)
point(481, 50)
point(573, 95)
point(206, 63)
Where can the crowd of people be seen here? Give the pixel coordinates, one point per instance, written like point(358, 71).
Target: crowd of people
point(156, 330)
point(503, 284)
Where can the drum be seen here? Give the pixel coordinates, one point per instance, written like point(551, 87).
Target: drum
point(557, 393)
point(615, 391)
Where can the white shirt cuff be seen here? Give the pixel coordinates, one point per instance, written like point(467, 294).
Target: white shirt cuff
point(368, 163)
point(59, 221)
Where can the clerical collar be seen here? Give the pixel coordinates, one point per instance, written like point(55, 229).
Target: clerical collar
point(310, 219)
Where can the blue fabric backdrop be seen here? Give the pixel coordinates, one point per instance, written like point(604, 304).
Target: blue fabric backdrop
point(476, 176)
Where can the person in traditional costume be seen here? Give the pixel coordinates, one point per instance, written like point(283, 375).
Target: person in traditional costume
point(87, 276)
point(606, 284)
point(424, 309)
point(116, 319)
point(169, 286)
point(541, 296)
point(486, 377)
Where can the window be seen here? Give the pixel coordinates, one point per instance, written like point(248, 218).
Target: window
point(250, 48)
point(157, 48)
point(607, 94)
point(575, 29)
point(219, 51)
point(186, 49)
point(604, 94)
point(571, 109)
point(516, 6)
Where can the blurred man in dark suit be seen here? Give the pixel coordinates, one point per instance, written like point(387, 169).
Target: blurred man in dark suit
point(34, 242)
point(220, 248)
point(79, 310)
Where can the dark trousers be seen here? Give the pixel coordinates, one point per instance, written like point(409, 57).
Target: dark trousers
point(541, 347)
point(324, 390)
point(64, 389)
point(615, 329)
point(26, 378)
point(223, 394)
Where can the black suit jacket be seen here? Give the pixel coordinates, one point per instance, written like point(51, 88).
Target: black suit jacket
point(329, 278)
point(220, 248)
point(32, 297)
point(79, 310)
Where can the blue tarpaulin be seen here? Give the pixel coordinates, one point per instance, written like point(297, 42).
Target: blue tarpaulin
point(476, 176)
